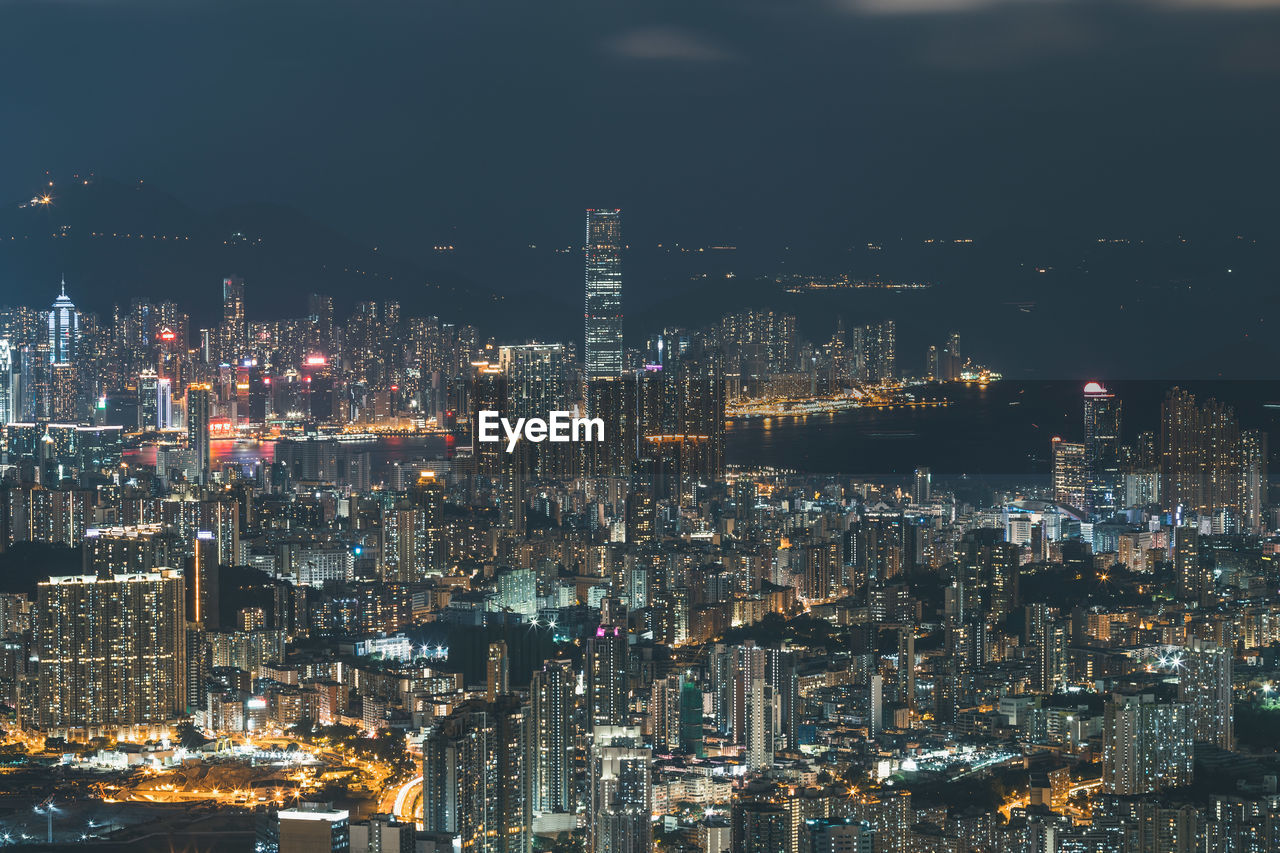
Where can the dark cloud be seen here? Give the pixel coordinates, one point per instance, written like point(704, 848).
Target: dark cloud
point(667, 44)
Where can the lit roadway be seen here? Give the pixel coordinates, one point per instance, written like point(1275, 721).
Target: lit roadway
point(405, 802)
point(1023, 802)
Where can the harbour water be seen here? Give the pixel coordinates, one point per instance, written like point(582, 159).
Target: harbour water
point(1000, 431)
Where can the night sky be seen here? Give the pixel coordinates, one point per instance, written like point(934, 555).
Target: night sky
point(810, 124)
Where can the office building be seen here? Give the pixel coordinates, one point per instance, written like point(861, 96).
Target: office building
point(922, 488)
point(1069, 476)
point(1102, 426)
point(235, 330)
point(64, 329)
point(603, 332)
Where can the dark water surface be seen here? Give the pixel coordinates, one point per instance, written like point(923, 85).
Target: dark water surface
point(1003, 430)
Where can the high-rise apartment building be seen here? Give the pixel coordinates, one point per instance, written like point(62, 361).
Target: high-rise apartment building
point(1146, 744)
point(700, 402)
point(488, 394)
point(1204, 684)
point(620, 819)
point(840, 835)
point(552, 695)
point(1253, 479)
point(475, 777)
point(1206, 464)
point(497, 671)
point(199, 404)
point(537, 383)
point(111, 650)
point(1193, 573)
point(608, 688)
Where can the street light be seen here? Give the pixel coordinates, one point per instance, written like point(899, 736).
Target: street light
point(48, 808)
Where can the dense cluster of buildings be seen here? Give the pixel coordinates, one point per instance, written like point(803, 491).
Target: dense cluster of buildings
point(631, 642)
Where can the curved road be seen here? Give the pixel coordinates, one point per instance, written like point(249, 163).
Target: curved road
point(407, 805)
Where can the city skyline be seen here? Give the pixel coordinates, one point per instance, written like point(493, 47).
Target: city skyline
point(829, 426)
point(586, 625)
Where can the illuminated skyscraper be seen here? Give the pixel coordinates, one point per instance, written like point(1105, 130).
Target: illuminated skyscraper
point(1204, 683)
point(608, 690)
point(475, 777)
point(551, 693)
point(614, 399)
point(1068, 473)
point(1193, 573)
point(148, 403)
point(202, 580)
point(235, 331)
point(62, 391)
point(497, 672)
point(1180, 467)
point(620, 819)
point(1146, 745)
point(199, 401)
point(488, 394)
point(535, 380)
point(700, 394)
point(64, 329)
point(922, 491)
point(1253, 476)
point(1207, 465)
point(7, 384)
point(164, 403)
point(604, 293)
point(406, 553)
point(1101, 450)
point(111, 650)
point(878, 352)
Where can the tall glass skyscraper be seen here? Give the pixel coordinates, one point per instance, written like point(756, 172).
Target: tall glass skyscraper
point(8, 385)
point(64, 329)
point(1101, 450)
point(235, 335)
point(604, 293)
